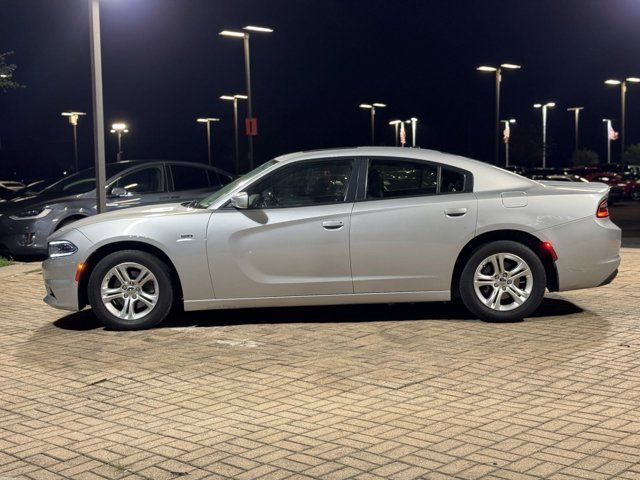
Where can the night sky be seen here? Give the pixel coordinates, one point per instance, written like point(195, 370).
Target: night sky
point(164, 65)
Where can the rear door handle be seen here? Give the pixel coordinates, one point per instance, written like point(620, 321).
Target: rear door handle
point(455, 212)
point(332, 224)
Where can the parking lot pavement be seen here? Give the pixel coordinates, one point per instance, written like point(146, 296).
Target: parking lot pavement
point(401, 391)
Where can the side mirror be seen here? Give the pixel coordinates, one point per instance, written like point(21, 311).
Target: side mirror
point(240, 200)
point(119, 192)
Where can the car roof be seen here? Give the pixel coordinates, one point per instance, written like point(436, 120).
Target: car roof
point(486, 176)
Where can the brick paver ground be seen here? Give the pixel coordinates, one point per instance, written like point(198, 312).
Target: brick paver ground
point(394, 392)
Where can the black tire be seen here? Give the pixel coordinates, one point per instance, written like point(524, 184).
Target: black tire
point(165, 292)
point(484, 312)
point(635, 194)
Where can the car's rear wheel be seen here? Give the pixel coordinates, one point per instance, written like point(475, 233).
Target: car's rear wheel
point(503, 281)
point(635, 194)
point(130, 290)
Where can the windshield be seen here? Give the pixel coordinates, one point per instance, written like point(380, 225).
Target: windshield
point(238, 182)
point(84, 181)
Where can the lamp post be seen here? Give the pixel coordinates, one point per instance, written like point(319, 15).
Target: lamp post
point(414, 126)
point(372, 107)
point(544, 129)
point(507, 137)
point(119, 129)
point(208, 121)
point(623, 106)
point(576, 113)
point(73, 121)
point(396, 125)
point(498, 73)
point(247, 70)
point(98, 107)
point(234, 99)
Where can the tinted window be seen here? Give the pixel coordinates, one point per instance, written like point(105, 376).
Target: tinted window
point(145, 180)
point(397, 178)
point(84, 181)
point(217, 179)
point(304, 184)
point(186, 177)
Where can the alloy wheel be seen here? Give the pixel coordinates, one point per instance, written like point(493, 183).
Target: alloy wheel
point(503, 281)
point(129, 291)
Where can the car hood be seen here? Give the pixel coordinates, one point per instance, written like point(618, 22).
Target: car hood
point(134, 213)
point(27, 201)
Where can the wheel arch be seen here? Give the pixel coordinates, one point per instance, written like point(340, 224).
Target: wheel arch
point(104, 250)
point(63, 222)
point(525, 238)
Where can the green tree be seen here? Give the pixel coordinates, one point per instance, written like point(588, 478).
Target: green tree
point(632, 154)
point(584, 156)
point(6, 73)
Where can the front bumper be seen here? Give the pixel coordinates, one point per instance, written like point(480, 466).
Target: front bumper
point(24, 237)
point(60, 274)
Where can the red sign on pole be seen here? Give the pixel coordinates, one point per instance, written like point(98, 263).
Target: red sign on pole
point(251, 126)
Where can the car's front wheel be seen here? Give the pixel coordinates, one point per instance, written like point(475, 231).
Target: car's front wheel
point(503, 281)
point(130, 290)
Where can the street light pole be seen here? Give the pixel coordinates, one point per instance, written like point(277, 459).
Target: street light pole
point(576, 112)
point(414, 126)
point(247, 70)
point(623, 106)
point(372, 107)
point(544, 129)
point(498, 74)
point(234, 99)
point(507, 138)
point(119, 129)
point(98, 107)
point(73, 120)
point(208, 121)
point(396, 125)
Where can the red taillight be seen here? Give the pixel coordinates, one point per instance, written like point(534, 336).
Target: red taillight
point(549, 248)
point(603, 208)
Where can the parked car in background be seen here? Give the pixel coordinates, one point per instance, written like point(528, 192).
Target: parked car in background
point(8, 187)
point(628, 188)
point(31, 189)
point(27, 221)
point(353, 225)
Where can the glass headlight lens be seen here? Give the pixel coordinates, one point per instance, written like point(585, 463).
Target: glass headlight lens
point(61, 248)
point(31, 214)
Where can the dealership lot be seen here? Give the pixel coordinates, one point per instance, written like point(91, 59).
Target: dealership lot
point(388, 391)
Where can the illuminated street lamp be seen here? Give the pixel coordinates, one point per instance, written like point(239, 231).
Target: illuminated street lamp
point(247, 69)
point(208, 122)
point(576, 112)
point(506, 136)
point(414, 126)
point(372, 107)
point(73, 120)
point(119, 129)
point(498, 73)
point(396, 126)
point(234, 99)
point(544, 129)
point(623, 106)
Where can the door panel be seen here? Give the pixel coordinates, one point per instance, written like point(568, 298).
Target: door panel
point(280, 251)
point(409, 244)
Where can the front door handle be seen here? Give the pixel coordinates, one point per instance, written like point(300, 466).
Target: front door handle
point(455, 212)
point(332, 224)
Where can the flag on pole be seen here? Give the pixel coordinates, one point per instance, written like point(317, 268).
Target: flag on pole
point(403, 135)
point(506, 133)
point(613, 135)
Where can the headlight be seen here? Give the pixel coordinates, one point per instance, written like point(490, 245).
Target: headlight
point(31, 214)
point(61, 248)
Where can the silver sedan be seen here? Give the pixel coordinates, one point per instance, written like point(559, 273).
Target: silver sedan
point(357, 225)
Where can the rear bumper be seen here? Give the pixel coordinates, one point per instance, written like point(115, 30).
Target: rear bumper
point(588, 252)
